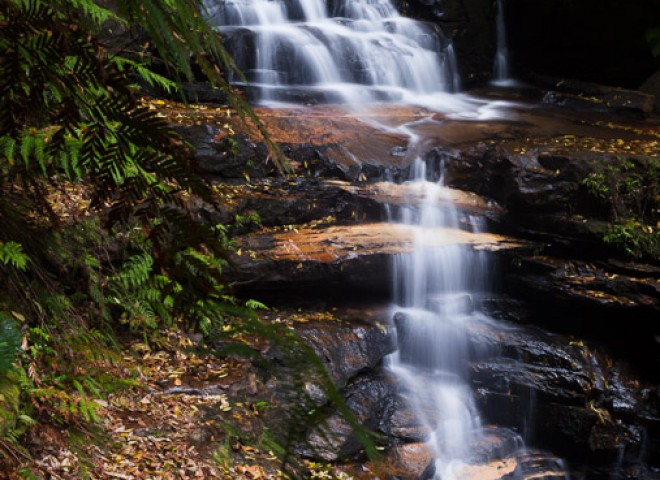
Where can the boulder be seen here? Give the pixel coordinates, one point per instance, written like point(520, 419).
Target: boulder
point(368, 397)
point(408, 461)
point(652, 87)
point(586, 96)
point(347, 350)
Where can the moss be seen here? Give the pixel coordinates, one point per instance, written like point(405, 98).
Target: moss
point(9, 403)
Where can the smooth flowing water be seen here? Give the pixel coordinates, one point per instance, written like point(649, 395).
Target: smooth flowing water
point(437, 297)
point(359, 52)
point(501, 71)
point(362, 51)
point(434, 293)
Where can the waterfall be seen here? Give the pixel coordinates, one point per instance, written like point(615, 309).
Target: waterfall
point(434, 293)
point(362, 51)
point(437, 293)
point(501, 74)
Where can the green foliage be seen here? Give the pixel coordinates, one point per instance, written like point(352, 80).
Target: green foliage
point(135, 254)
point(11, 253)
point(629, 188)
point(142, 70)
point(634, 238)
point(10, 342)
point(595, 183)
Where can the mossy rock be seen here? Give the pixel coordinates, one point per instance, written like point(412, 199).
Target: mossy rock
point(9, 402)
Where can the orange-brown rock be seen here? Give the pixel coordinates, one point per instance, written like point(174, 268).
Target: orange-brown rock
point(407, 462)
point(337, 243)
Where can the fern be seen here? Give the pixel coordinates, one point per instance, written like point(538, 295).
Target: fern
point(11, 253)
point(124, 64)
point(10, 342)
point(96, 13)
point(69, 111)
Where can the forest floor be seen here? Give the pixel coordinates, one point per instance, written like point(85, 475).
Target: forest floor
point(179, 421)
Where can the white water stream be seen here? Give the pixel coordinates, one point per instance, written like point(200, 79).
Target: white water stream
point(501, 71)
point(434, 290)
point(362, 51)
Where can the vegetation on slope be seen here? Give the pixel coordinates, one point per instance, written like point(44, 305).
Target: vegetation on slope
point(97, 237)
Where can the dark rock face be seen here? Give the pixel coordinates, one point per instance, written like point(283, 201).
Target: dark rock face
point(563, 396)
point(572, 283)
point(368, 397)
point(410, 461)
point(652, 87)
point(218, 154)
point(523, 184)
point(591, 97)
point(553, 390)
point(594, 40)
point(348, 350)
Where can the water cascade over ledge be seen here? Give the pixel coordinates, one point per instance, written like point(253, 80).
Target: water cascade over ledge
point(437, 295)
point(433, 288)
point(358, 52)
point(362, 51)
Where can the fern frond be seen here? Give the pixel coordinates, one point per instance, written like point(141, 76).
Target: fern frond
point(10, 342)
point(152, 78)
point(11, 253)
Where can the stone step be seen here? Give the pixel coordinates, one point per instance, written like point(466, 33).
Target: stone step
point(357, 255)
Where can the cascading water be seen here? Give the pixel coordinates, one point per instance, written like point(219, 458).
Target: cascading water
point(436, 292)
point(362, 51)
point(434, 288)
point(501, 73)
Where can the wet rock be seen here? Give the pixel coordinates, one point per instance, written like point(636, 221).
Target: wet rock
point(409, 461)
point(368, 397)
point(301, 201)
point(230, 157)
point(351, 256)
point(494, 443)
point(575, 102)
point(587, 96)
point(506, 469)
point(581, 434)
point(525, 464)
point(333, 441)
point(533, 464)
point(579, 282)
point(588, 299)
point(562, 396)
point(652, 87)
point(347, 350)
point(399, 420)
point(613, 102)
point(543, 383)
